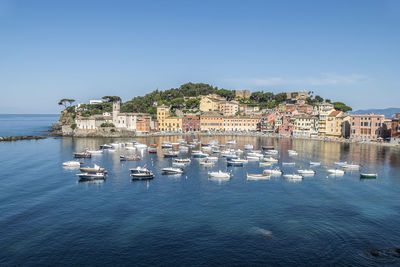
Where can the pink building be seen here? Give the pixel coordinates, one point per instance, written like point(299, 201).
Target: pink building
point(286, 127)
point(368, 127)
point(191, 123)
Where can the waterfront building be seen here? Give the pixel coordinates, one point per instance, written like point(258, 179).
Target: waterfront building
point(242, 94)
point(367, 126)
point(229, 108)
point(395, 133)
point(166, 122)
point(334, 124)
point(305, 125)
point(211, 121)
point(286, 126)
point(267, 122)
point(191, 123)
point(129, 121)
point(211, 102)
point(241, 123)
point(322, 110)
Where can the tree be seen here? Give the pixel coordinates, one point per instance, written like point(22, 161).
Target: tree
point(192, 103)
point(65, 101)
point(327, 100)
point(112, 98)
point(281, 97)
point(319, 99)
point(228, 94)
point(341, 106)
point(177, 102)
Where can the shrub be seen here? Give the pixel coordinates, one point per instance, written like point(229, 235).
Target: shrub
point(107, 124)
point(73, 126)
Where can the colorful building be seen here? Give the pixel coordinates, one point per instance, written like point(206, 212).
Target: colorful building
point(211, 121)
point(166, 122)
point(306, 125)
point(211, 102)
point(395, 132)
point(191, 123)
point(229, 108)
point(286, 127)
point(367, 126)
point(334, 124)
point(241, 123)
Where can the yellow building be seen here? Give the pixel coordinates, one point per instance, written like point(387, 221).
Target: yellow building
point(211, 121)
point(229, 108)
point(167, 123)
point(210, 102)
point(242, 123)
point(334, 123)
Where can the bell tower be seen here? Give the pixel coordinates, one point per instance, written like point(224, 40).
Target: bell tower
point(115, 111)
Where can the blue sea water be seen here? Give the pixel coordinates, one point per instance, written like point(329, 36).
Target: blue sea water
point(48, 218)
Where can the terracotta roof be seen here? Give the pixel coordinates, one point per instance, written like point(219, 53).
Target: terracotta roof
point(334, 113)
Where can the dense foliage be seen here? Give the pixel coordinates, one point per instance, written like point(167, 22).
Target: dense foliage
point(341, 106)
point(94, 109)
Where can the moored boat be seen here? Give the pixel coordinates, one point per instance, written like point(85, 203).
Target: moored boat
point(171, 154)
point(293, 176)
point(207, 163)
point(185, 161)
point(351, 167)
point(335, 172)
point(199, 154)
point(219, 175)
point(267, 147)
point(140, 173)
point(106, 146)
point(315, 163)
point(306, 172)
point(95, 168)
point(82, 155)
point(72, 163)
point(94, 152)
point(274, 172)
point(91, 175)
point(235, 163)
point(270, 159)
point(129, 158)
point(248, 147)
point(368, 175)
point(262, 176)
point(171, 170)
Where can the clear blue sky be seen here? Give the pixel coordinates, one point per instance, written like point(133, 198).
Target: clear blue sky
point(343, 50)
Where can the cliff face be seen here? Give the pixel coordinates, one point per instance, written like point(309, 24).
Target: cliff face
point(66, 119)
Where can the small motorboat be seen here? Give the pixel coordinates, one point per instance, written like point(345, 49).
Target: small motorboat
point(335, 172)
point(231, 156)
point(92, 175)
point(178, 164)
point(270, 159)
point(199, 154)
point(130, 148)
point(94, 152)
point(172, 171)
point(340, 163)
point(152, 150)
point(248, 147)
point(273, 172)
point(253, 158)
point(255, 154)
point(306, 172)
point(96, 168)
point(140, 173)
point(368, 175)
point(129, 158)
point(292, 153)
point(183, 148)
point(262, 176)
point(289, 163)
point(315, 163)
point(171, 154)
point(166, 145)
point(212, 158)
point(207, 163)
point(106, 146)
point(79, 155)
point(293, 176)
point(140, 146)
point(264, 164)
point(231, 142)
point(267, 147)
point(235, 163)
point(185, 161)
point(351, 167)
point(272, 152)
point(72, 163)
point(219, 175)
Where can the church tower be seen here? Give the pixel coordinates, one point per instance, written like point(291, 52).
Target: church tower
point(115, 111)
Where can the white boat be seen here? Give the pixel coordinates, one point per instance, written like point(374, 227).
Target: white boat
point(292, 153)
point(315, 163)
point(206, 148)
point(97, 152)
point(172, 170)
point(253, 158)
point(199, 154)
point(219, 175)
point(264, 164)
point(92, 175)
point(239, 151)
point(130, 148)
point(253, 177)
point(306, 172)
point(166, 145)
point(293, 176)
point(275, 172)
point(106, 146)
point(289, 163)
point(183, 148)
point(351, 167)
point(340, 163)
point(270, 159)
point(248, 147)
point(140, 173)
point(186, 161)
point(179, 164)
point(211, 158)
point(336, 172)
point(207, 163)
point(140, 146)
point(115, 145)
point(272, 152)
point(72, 163)
point(254, 154)
point(171, 154)
point(231, 142)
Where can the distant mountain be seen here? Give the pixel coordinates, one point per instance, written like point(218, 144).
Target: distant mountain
point(388, 112)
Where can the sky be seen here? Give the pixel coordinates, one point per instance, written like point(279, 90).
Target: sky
point(346, 51)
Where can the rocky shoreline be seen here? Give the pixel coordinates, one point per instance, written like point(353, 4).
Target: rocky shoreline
point(19, 138)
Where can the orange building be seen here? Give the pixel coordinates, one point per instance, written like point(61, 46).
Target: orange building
point(211, 121)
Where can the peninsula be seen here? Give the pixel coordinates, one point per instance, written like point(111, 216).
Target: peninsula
point(199, 107)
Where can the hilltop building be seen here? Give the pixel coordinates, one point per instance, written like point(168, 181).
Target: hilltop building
point(242, 94)
point(211, 102)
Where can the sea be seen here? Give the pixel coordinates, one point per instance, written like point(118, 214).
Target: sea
point(49, 218)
